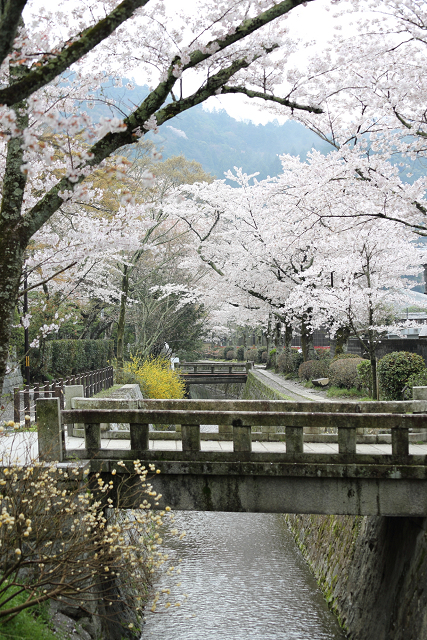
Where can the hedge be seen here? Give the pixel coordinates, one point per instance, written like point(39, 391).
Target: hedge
point(394, 371)
point(314, 369)
point(343, 373)
point(63, 358)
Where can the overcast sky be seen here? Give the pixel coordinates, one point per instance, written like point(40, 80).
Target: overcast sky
point(310, 23)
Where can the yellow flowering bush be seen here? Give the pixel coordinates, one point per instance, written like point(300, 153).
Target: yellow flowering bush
point(156, 378)
point(61, 538)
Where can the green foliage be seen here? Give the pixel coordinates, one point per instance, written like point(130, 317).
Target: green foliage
point(251, 355)
point(394, 371)
point(60, 358)
point(343, 372)
point(313, 369)
point(289, 362)
point(345, 356)
point(416, 380)
point(364, 375)
point(353, 392)
point(240, 353)
point(28, 625)
point(323, 352)
point(230, 354)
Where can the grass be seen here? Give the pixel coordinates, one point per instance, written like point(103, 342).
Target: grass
point(337, 392)
point(106, 393)
point(30, 624)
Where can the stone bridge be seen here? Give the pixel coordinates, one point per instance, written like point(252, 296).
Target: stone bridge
point(218, 373)
point(286, 479)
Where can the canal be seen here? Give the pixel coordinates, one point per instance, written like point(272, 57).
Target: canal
point(243, 577)
point(237, 576)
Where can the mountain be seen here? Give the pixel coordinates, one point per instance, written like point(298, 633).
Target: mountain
point(215, 139)
point(219, 142)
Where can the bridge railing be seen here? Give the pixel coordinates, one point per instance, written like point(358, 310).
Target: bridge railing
point(288, 415)
point(217, 367)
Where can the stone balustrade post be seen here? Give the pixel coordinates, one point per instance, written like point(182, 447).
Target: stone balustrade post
point(294, 439)
point(190, 435)
point(139, 437)
point(242, 440)
point(49, 430)
point(346, 440)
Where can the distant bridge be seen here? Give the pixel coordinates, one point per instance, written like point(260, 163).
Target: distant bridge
point(289, 481)
point(218, 373)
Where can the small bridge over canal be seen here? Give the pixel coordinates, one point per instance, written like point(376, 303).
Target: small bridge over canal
point(217, 373)
point(350, 479)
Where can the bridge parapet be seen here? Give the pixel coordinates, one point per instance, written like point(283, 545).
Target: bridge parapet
point(293, 480)
point(214, 367)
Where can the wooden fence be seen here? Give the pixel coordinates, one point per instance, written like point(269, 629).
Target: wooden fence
point(93, 382)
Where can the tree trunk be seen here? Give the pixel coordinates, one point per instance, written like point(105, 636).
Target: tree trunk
point(12, 235)
point(121, 324)
point(307, 344)
point(288, 339)
point(341, 339)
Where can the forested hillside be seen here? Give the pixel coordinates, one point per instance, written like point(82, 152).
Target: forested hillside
point(218, 141)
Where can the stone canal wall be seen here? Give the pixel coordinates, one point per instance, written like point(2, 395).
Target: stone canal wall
point(372, 571)
point(257, 389)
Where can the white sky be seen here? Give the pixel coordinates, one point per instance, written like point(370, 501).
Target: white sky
point(310, 23)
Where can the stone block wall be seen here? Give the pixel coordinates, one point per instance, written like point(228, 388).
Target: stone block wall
point(372, 570)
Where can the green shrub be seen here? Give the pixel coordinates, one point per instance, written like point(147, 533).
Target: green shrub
point(251, 354)
point(345, 356)
point(62, 358)
point(260, 351)
point(230, 355)
point(240, 353)
point(364, 375)
point(394, 371)
point(264, 356)
point(343, 373)
point(323, 352)
point(289, 362)
point(416, 380)
point(313, 369)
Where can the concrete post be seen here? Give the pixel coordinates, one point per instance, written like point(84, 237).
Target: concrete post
point(420, 393)
point(190, 435)
point(346, 440)
point(242, 440)
point(92, 439)
point(400, 441)
point(294, 439)
point(73, 391)
point(139, 437)
point(49, 429)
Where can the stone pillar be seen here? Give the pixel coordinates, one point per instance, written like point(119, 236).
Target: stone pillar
point(73, 391)
point(420, 393)
point(50, 433)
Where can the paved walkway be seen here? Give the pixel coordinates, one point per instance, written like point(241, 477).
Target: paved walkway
point(23, 446)
point(295, 390)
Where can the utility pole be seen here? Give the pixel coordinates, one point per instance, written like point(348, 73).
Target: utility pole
point(26, 340)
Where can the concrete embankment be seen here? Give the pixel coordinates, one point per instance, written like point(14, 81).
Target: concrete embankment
point(372, 570)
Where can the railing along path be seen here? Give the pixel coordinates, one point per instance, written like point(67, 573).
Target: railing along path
point(93, 382)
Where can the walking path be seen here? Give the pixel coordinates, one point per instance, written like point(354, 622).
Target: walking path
point(23, 446)
point(295, 390)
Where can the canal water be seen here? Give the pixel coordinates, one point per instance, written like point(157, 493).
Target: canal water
point(241, 577)
point(237, 576)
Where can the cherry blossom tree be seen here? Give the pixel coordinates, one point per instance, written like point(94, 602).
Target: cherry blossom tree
point(303, 248)
point(54, 59)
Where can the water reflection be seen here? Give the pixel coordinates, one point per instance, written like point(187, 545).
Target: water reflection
point(245, 578)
